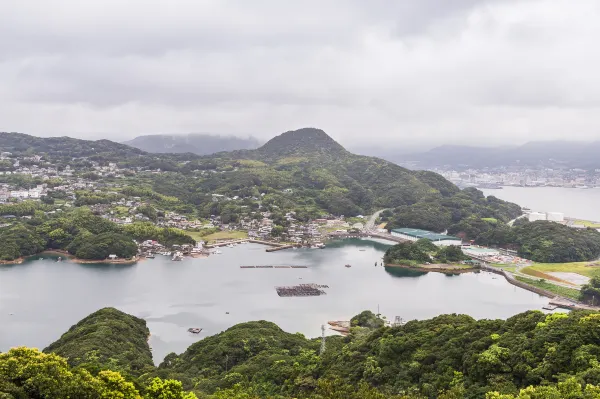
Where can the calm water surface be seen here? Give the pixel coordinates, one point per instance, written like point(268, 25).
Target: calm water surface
point(573, 202)
point(46, 298)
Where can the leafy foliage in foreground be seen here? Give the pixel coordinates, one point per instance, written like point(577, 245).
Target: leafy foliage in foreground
point(27, 373)
point(530, 355)
point(450, 353)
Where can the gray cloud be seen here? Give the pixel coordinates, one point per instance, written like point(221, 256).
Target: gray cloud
point(431, 71)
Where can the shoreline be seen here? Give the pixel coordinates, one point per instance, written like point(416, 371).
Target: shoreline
point(444, 270)
point(74, 259)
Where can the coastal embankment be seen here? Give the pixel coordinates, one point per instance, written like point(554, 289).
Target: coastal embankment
point(556, 300)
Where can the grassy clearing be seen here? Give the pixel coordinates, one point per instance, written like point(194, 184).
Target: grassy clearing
point(219, 235)
point(503, 266)
point(587, 223)
point(562, 291)
point(589, 269)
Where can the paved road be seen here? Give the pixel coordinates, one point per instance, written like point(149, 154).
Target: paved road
point(514, 220)
point(370, 225)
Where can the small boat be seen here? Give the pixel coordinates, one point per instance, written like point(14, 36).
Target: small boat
point(348, 265)
point(177, 256)
point(217, 252)
point(230, 245)
point(150, 256)
point(59, 259)
point(362, 249)
point(226, 312)
point(194, 330)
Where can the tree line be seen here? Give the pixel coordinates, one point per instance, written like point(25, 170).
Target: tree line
point(530, 355)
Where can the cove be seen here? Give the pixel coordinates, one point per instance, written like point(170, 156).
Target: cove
point(41, 299)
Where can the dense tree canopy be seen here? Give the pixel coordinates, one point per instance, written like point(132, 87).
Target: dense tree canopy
point(530, 355)
point(541, 241)
point(107, 338)
point(422, 251)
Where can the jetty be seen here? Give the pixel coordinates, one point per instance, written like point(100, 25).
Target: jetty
point(279, 248)
point(301, 290)
point(226, 243)
point(274, 246)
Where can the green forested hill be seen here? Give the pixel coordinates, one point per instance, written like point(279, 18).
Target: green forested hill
point(107, 337)
point(531, 355)
point(68, 147)
point(324, 176)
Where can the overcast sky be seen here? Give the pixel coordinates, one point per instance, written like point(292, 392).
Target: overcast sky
point(430, 71)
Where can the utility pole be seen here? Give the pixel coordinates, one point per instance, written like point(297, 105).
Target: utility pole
point(322, 340)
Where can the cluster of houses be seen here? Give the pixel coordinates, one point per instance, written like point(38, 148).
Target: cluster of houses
point(7, 192)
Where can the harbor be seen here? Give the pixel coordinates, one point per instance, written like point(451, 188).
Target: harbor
point(198, 293)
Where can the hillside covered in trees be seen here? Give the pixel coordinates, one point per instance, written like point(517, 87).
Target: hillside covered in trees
point(78, 231)
point(530, 355)
point(303, 170)
point(541, 241)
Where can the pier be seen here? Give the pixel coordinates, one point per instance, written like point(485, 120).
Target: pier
point(279, 248)
point(225, 243)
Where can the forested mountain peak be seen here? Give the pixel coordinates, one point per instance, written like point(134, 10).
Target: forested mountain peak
point(304, 142)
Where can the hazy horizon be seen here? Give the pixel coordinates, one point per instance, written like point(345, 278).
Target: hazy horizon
point(410, 74)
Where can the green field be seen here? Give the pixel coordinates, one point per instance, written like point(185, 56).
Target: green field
point(587, 223)
point(219, 235)
point(507, 267)
point(589, 269)
point(558, 290)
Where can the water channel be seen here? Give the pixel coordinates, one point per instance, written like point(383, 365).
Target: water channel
point(41, 299)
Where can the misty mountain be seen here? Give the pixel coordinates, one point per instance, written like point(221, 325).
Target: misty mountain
point(196, 143)
point(553, 154)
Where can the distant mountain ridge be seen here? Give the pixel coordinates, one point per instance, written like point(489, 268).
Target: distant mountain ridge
point(537, 153)
point(195, 143)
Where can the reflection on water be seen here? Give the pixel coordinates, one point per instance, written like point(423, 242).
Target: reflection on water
point(402, 272)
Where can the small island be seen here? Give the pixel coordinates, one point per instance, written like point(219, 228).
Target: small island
point(423, 255)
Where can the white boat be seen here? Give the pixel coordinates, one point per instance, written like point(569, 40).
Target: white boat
point(230, 245)
point(217, 252)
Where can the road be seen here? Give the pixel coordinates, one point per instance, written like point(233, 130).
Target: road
point(370, 225)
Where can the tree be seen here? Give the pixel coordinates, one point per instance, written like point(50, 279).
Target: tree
point(166, 389)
